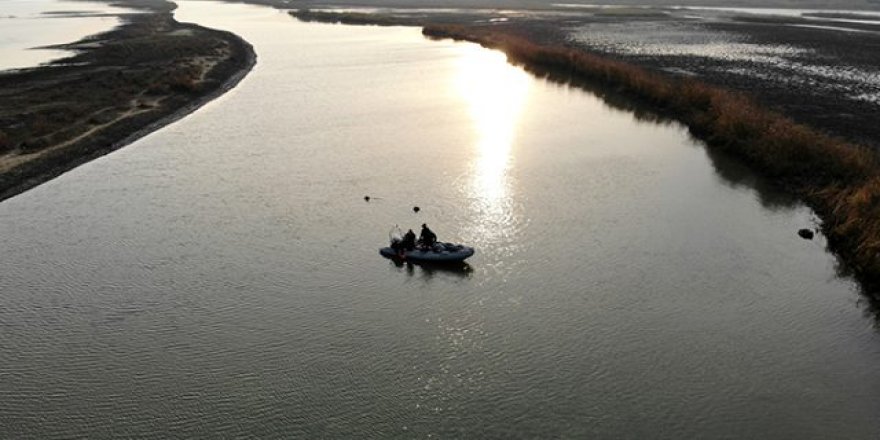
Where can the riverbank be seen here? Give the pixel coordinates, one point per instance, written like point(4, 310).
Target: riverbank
point(838, 179)
point(120, 86)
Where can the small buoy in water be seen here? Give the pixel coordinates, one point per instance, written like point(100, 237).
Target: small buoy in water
point(367, 198)
point(416, 209)
point(806, 234)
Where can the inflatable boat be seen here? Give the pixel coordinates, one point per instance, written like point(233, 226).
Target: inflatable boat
point(439, 253)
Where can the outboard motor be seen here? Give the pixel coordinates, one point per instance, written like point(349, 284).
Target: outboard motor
point(395, 236)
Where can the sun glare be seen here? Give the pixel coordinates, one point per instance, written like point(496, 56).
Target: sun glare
point(495, 93)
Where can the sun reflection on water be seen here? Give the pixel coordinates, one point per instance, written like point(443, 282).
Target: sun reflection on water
point(495, 93)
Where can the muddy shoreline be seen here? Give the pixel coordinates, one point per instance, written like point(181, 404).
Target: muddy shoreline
point(120, 86)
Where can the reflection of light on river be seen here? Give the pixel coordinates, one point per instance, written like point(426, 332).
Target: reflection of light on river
point(495, 93)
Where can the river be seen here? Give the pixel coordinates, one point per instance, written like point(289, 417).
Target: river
point(220, 277)
point(27, 27)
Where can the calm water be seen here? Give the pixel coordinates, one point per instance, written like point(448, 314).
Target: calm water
point(220, 278)
point(28, 25)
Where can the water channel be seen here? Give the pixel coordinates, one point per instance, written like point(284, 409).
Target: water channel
point(220, 277)
point(29, 29)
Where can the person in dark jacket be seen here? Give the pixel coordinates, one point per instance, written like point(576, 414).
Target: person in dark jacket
point(409, 241)
point(428, 237)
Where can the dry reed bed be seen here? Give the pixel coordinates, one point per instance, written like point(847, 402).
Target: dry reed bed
point(840, 180)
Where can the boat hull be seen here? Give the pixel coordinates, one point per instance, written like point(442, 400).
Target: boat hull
point(457, 255)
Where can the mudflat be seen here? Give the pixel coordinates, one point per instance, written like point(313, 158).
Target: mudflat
point(120, 85)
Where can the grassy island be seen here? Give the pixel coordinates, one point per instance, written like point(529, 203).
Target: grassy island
point(353, 18)
point(119, 86)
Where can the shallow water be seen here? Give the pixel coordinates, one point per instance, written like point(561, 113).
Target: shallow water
point(26, 26)
point(698, 49)
point(220, 277)
point(679, 39)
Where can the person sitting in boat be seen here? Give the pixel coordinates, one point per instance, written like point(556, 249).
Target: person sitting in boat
point(409, 241)
point(428, 237)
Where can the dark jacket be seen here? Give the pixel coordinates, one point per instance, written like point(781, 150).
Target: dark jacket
point(409, 240)
point(428, 236)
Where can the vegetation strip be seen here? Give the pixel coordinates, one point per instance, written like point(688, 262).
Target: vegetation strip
point(353, 18)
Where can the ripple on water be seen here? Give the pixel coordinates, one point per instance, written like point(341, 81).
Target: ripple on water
point(221, 277)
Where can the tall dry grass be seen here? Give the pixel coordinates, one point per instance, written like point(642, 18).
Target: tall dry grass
point(840, 180)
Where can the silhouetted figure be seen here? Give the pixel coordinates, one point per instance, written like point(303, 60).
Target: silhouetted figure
point(428, 237)
point(409, 241)
point(416, 209)
point(367, 198)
